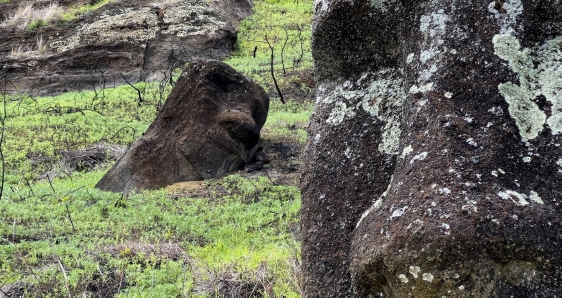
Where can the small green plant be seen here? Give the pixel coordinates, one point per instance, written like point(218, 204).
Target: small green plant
point(35, 24)
point(75, 11)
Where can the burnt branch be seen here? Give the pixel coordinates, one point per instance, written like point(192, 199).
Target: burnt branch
point(272, 59)
point(138, 90)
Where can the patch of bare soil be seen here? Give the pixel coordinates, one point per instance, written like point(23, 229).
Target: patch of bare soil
point(278, 160)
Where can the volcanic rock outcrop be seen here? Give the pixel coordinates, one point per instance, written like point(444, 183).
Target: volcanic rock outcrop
point(209, 125)
point(433, 166)
point(123, 40)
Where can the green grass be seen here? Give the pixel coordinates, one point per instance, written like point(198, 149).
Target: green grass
point(67, 238)
point(74, 12)
point(286, 26)
point(40, 129)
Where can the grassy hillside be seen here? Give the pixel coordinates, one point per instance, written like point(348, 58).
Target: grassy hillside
point(230, 237)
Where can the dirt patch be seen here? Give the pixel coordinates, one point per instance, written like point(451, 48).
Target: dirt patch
point(279, 161)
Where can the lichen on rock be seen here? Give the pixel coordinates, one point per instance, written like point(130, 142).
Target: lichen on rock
point(540, 74)
point(380, 95)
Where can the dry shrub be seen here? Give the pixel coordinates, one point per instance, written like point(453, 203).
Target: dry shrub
point(25, 51)
point(89, 158)
point(26, 14)
point(19, 51)
point(295, 276)
point(171, 251)
point(41, 47)
point(14, 290)
point(230, 283)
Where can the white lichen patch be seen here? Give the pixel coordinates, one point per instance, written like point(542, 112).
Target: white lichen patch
point(427, 277)
point(535, 197)
point(472, 142)
point(559, 162)
point(136, 24)
point(192, 20)
point(527, 159)
point(423, 89)
point(379, 94)
point(448, 94)
point(508, 16)
point(470, 206)
point(540, 73)
point(398, 212)
point(519, 198)
point(403, 278)
point(498, 111)
point(407, 150)
point(415, 226)
point(427, 55)
point(420, 156)
point(321, 6)
point(410, 58)
point(385, 5)
point(445, 191)
point(414, 271)
point(339, 113)
point(433, 26)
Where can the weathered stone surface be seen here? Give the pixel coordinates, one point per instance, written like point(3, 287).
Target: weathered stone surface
point(434, 163)
point(209, 125)
point(140, 39)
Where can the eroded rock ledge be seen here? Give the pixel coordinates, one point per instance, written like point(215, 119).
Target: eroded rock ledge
point(142, 40)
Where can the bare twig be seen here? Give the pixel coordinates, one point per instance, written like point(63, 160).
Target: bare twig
point(138, 90)
point(3, 128)
point(117, 132)
point(267, 174)
point(70, 218)
point(272, 50)
point(51, 183)
point(65, 277)
point(30, 188)
point(283, 51)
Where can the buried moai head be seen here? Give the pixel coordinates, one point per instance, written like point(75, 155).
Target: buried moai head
point(209, 125)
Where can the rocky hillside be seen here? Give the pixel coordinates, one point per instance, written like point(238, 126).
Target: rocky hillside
point(49, 47)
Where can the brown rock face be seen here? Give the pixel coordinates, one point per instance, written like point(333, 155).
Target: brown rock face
point(434, 162)
point(143, 40)
point(209, 125)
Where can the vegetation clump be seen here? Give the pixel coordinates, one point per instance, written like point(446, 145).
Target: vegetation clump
point(29, 16)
